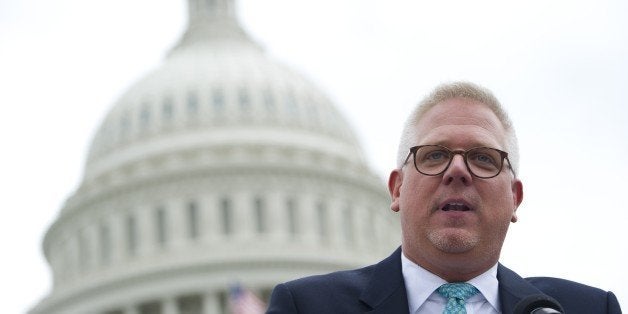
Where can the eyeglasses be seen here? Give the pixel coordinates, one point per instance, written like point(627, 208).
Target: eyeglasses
point(482, 162)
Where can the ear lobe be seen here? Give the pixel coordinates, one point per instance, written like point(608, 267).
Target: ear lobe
point(394, 187)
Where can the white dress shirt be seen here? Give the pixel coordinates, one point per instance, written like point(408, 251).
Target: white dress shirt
point(423, 298)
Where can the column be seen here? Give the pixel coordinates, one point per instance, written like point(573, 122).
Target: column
point(169, 306)
point(209, 215)
point(145, 222)
point(277, 215)
point(308, 219)
point(335, 221)
point(131, 309)
point(177, 222)
point(118, 231)
point(243, 222)
point(211, 304)
point(92, 236)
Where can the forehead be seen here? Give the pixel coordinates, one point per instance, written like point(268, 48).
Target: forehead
point(461, 123)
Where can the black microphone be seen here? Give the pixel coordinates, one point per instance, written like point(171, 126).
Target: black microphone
point(538, 304)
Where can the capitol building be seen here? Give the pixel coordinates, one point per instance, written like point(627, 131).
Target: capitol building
point(220, 167)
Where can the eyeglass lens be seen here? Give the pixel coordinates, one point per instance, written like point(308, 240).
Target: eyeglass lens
point(482, 161)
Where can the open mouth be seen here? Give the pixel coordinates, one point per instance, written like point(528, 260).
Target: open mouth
point(460, 207)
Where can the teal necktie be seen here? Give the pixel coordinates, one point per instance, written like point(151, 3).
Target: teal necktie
point(456, 294)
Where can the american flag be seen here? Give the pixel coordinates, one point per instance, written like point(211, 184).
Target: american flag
point(244, 301)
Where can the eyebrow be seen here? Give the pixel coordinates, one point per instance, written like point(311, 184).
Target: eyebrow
point(473, 145)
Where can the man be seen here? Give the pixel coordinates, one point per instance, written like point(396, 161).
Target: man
point(456, 191)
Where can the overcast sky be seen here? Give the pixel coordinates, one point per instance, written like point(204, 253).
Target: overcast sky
point(560, 68)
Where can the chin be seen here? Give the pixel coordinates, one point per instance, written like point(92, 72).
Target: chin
point(453, 241)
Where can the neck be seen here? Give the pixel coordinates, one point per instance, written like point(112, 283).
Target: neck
point(452, 267)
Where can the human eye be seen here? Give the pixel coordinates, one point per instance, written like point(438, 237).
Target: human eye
point(433, 155)
point(436, 155)
point(484, 158)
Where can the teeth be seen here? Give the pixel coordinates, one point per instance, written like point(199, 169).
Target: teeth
point(456, 207)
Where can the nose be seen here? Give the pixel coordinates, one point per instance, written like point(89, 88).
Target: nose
point(457, 172)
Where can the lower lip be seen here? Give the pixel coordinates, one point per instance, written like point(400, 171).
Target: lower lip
point(455, 212)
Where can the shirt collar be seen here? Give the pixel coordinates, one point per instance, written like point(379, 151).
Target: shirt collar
point(421, 284)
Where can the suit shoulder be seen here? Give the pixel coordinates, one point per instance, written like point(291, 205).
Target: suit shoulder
point(575, 296)
point(551, 284)
point(345, 280)
point(336, 292)
point(348, 291)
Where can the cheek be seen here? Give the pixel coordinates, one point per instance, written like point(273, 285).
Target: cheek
point(418, 191)
point(415, 204)
point(499, 201)
point(413, 224)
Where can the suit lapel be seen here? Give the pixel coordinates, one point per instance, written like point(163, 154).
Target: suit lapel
point(512, 288)
point(386, 291)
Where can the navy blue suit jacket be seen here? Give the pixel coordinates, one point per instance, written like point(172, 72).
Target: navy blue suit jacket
point(380, 288)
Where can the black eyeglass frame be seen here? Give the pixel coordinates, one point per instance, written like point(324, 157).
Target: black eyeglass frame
point(464, 154)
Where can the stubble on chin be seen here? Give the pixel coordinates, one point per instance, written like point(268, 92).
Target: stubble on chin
point(453, 240)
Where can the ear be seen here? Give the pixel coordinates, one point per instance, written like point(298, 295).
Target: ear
point(394, 187)
point(517, 197)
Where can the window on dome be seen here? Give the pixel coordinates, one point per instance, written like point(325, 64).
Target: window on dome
point(193, 220)
point(260, 215)
point(293, 222)
point(291, 104)
point(312, 112)
point(132, 240)
point(105, 244)
point(167, 108)
point(192, 104)
point(83, 247)
point(125, 125)
point(321, 213)
point(244, 99)
point(144, 117)
point(226, 214)
point(161, 224)
point(218, 100)
point(269, 101)
point(211, 5)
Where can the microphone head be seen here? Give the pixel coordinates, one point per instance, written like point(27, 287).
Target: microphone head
point(538, 304)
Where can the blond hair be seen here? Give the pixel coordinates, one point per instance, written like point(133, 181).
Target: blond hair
point(459, 89)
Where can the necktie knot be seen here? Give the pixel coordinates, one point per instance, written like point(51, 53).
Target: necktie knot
point(456, 294)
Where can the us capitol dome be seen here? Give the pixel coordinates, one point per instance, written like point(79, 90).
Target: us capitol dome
point(222, 166)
